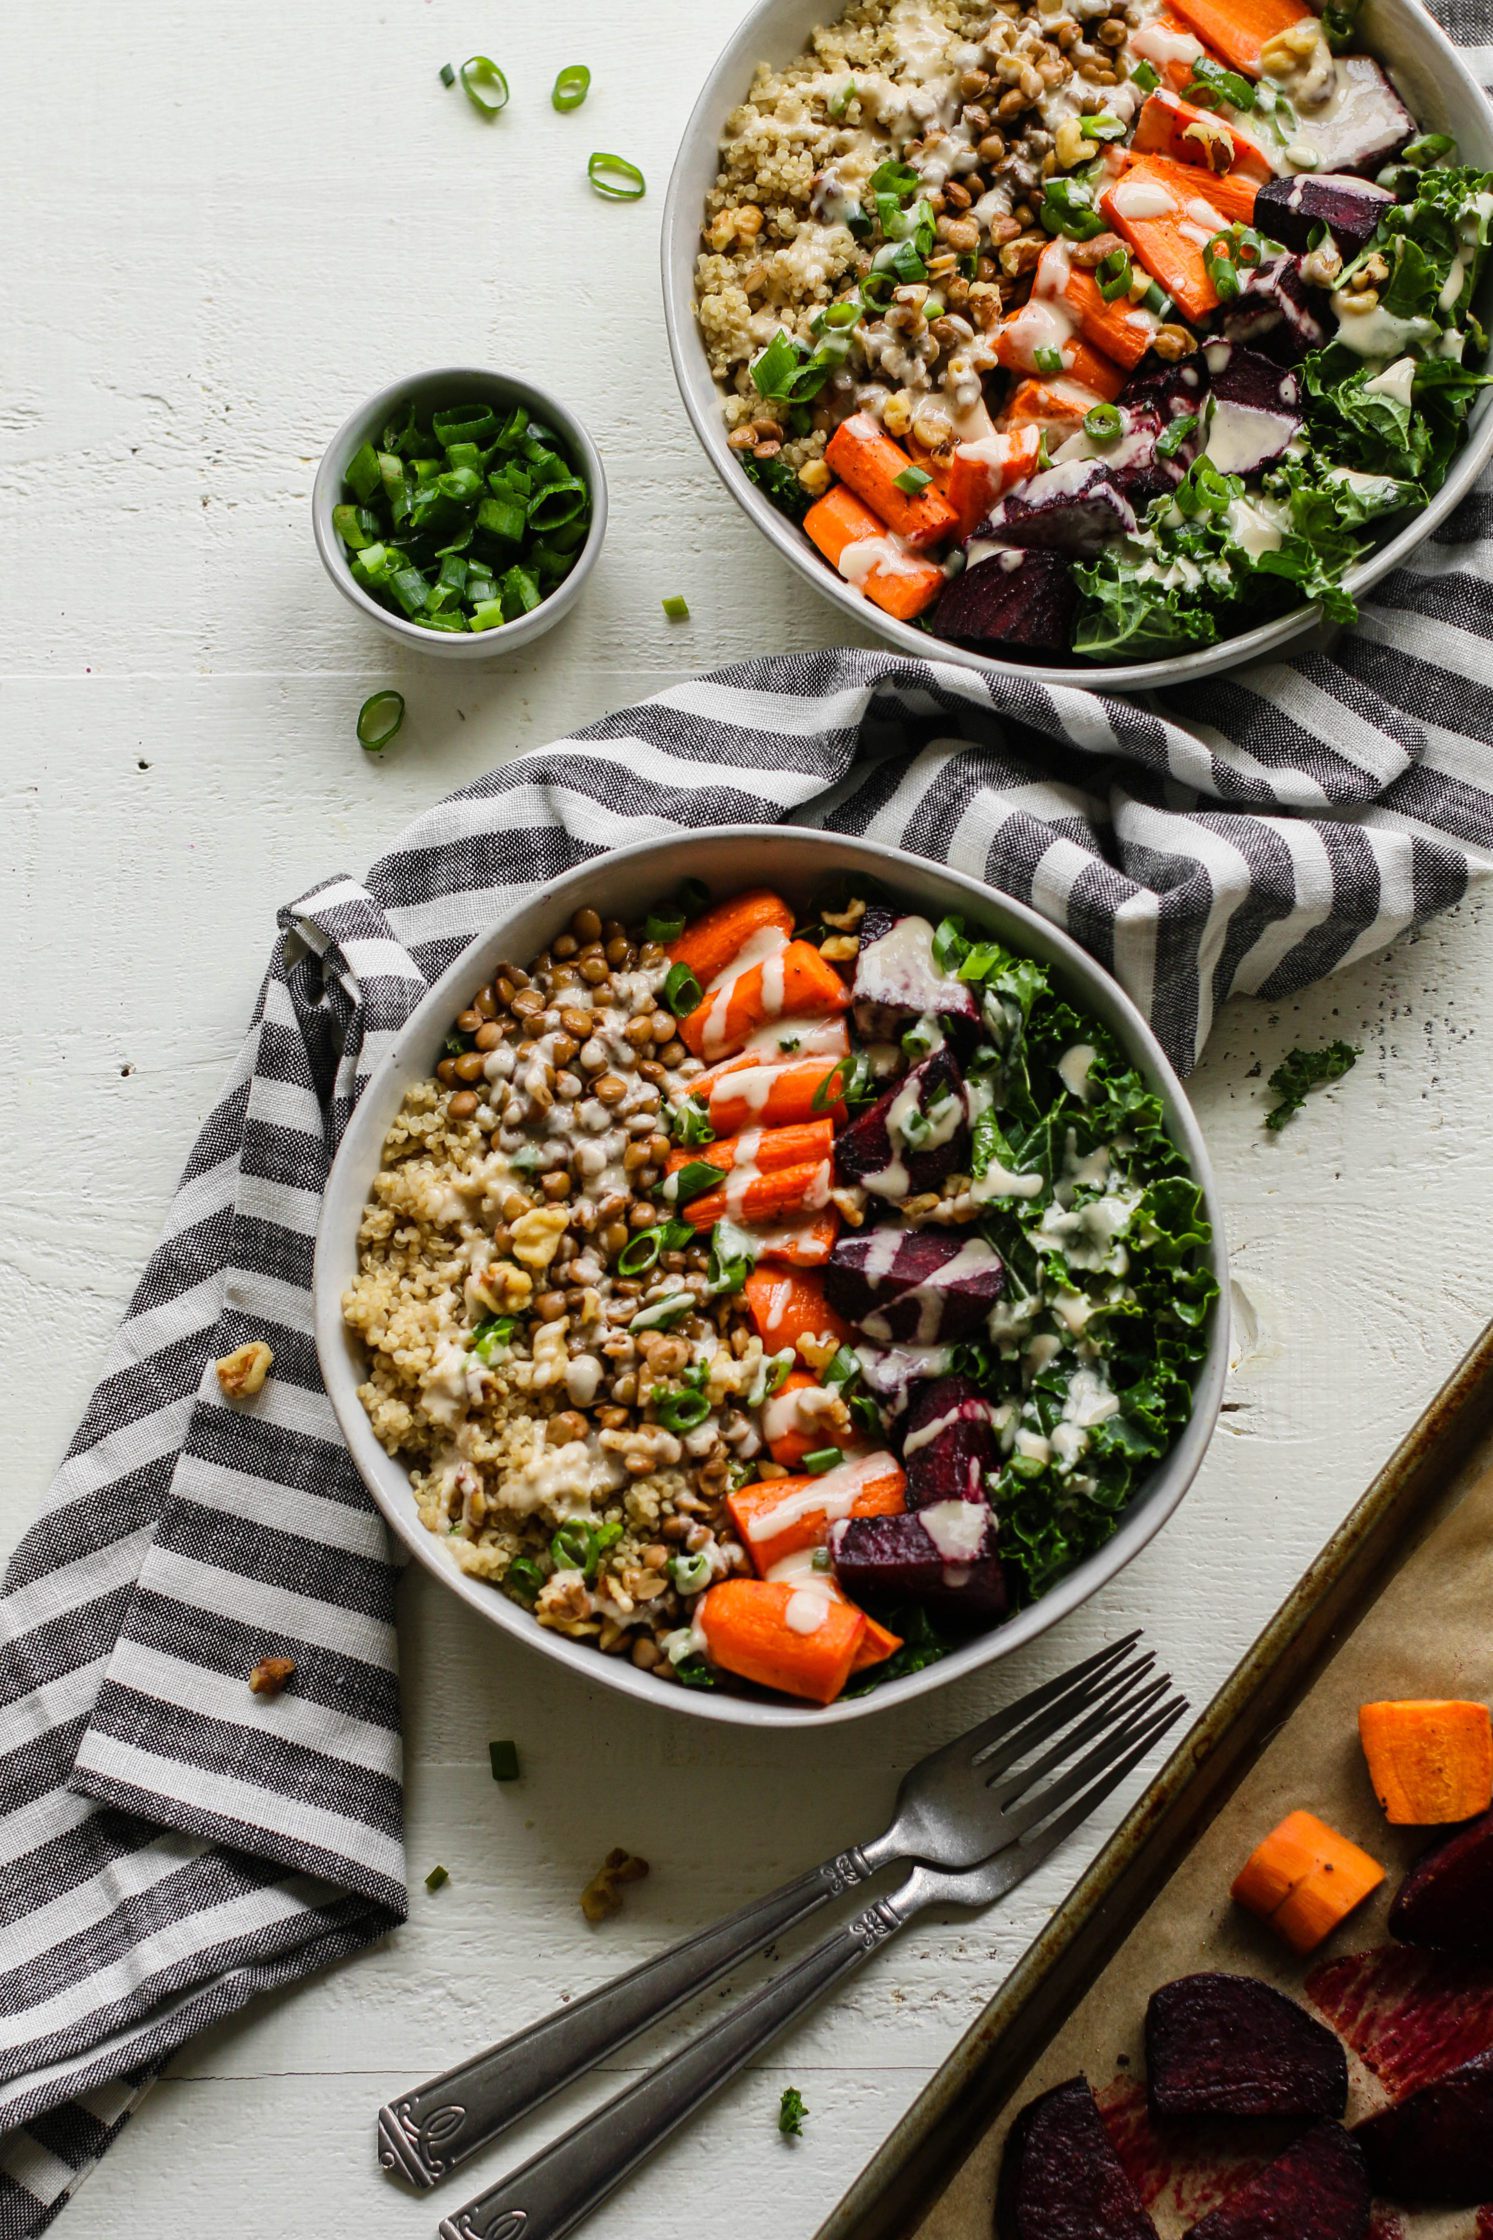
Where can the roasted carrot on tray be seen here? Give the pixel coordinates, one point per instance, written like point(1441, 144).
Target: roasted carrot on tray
point(804, 1243)
point(1058, 407)
point(864, 551)
point(1119, 332)
point(1019, 338)
point(980, 472)
point(778, 1516)
point(1430, 1762)
point(1305, 1879)
point(710, 942)
point(796, 983)
point(1203, 196)
point(801, 1637)
point(898, 492)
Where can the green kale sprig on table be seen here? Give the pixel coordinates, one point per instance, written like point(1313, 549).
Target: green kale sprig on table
point(1304, 1070)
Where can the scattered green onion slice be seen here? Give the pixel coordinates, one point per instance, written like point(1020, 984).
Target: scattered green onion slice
point(491, 1337)
point(663, 1311)
point(615, 179)
point(379, 720)
point(571, 87)
point(676, 609)
point(1103, 422)
point(503, 1758)
point(484, 85)
point(448, 74)
point(694, 1178)
point(1114, 274)
point(436, 1877)
point(689, 1120)
point(523, 1578)
point(823, 1459)
point(913, 479)
point(1047, 358)
point(682, 991)
point(843, 99)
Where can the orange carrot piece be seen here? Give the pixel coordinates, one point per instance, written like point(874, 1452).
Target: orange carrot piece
point(789, 1309)
point(708, 945)
point(775, 1196)
point(1151, 206)
point(1239, 30)
point(750, 1092)
point(1170, 126)
point(897, 582)
point(1431, 1761)
point(778, 1517)
point(794, 1426)
point(1086, 366)
point(796, 983)
point(1305, 1879)
point(807, 1140)
point(1056, 407)
point(1114, 329)
point(807, 1243)
point(877, 1643)
point(747, 1631)
point(1230, 193)
point(865, 458)
point(980, 473)
point(1177, 51)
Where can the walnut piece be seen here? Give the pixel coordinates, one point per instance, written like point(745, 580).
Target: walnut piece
point(602, 1895)
point(242, 1372)
point(537, 1234)
point(271, 1676)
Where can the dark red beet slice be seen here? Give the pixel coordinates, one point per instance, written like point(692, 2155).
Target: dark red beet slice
point(1438, 2144)
point(950, 1443)
point(944, 1555)
point(1220, 2045)
point(1364, 125)
point(1075, 509)
point(1276, 310)
point(1446, 1900)
point(870, 1266)
point(865, 1151)
point(1245, 376)
point(1026, 605)
point(950, 1303)
point(1290, 210)
point(895, 972)
point(1060, 2177)
point(1317, 2190)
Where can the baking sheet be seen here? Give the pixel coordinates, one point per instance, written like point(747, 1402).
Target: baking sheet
point(1398, 1604)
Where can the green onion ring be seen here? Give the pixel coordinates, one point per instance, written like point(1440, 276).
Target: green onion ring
point(571, 87)
point(480, 76)
point(448, 74)
point(615, 179)
point(379, 720)
point(1103, 422)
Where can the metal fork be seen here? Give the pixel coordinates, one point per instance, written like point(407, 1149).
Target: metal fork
point(553, 2191)
point(947, 1813)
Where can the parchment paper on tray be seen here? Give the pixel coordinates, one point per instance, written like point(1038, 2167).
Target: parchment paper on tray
point(1404, 2016)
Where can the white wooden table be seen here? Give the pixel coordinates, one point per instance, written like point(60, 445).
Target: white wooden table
point(230, 224)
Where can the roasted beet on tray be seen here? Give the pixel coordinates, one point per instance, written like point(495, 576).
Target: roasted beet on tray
point(1061, 2178)
point(1438, 2144)
point(1446, 1900)
point(1317, 2190)
point(1224, 2045)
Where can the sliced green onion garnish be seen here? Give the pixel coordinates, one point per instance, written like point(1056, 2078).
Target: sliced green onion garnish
point(822, 1460)
point(682, 991)
point(663, 926)
point(694, 1178)
point(448, 74)
point(503, 1758)
point(379, 719)
point(842, 99)
point(1171, 439)
point(492, 1337)
point(523, 1578)
point(1114, 274)
point(484, 85)
point(1145, 77)
point(638, 1257)
point(436, 1877)
point(663, 1311)
point(1047, 358)
point(570, 1547)
point(572, 86)
point(690, 1573)
point(913, 479)
point(615, 179)
point(1103, 422)
point(681, 1411)
point(676, 609)
point(1103, 127)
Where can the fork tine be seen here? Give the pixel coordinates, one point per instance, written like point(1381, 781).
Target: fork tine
point(1120, 1745)
point(1036, 1844)
point(970, 1747)
point(1057, 1714)
point(1123, 1701)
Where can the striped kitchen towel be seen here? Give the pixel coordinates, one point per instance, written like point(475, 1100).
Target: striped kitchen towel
point(176, 1844)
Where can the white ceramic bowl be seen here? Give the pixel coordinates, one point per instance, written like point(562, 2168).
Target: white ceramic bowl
point(1440, 92)
point(626, 885)
point(447, 385)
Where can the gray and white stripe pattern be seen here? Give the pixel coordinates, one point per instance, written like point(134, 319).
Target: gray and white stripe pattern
point(175, 1845)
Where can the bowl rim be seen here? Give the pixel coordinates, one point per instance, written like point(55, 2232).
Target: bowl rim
point(700, 395)
point(379, 407)
point(346, 1194)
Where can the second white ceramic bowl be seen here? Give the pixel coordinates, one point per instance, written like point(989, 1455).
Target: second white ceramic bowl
point(1441, 93)
point(626, 885)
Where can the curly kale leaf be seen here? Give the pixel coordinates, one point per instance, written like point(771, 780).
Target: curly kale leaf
point(1304, 1070)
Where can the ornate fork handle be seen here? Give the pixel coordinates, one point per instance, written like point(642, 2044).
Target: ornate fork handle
point(424, 2134)
point(556, 2188)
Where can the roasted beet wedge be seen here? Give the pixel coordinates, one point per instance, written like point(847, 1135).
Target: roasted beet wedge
point(1022, 602)
point(1168, 388)
point(951, 1303)
point(913, 1136)
point(1363, 126)
point(1446, 1900)
point(1219, 2045)
point(1438, 2144)
point(945, 1555)
point(868, 1266)
point(897, 978)
point(1253, 416)
point(950, 1443)
point(1276, 311)
point(1073, 509)
point(1290, 210)
point(1137, 466)
point(1244, 376)
point(896, 1374)
point(1060, 2177)
point(1317, 2190)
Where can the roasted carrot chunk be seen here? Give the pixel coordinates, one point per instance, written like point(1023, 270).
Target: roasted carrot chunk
point(751, 1092)
point(765, 1149)
point(877, 1643)
point(708, 945)
point(1230, 194)
point(893, 579)
point(1240, 30)
point(804, 1243)
point(1159, 206)
point(796, 983)
point(1431, 1762)
point(1170, 126)
point(803, 1416)
point(1117, 331)
point(1171, 48)
point(800, 1638)
point(1305, 1879)
point(1056, 406)
point(789, 1309)
point(865, 458)
point(775, 1196)
point(979, 473)
point(781, 1516)
point(1081, 364)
